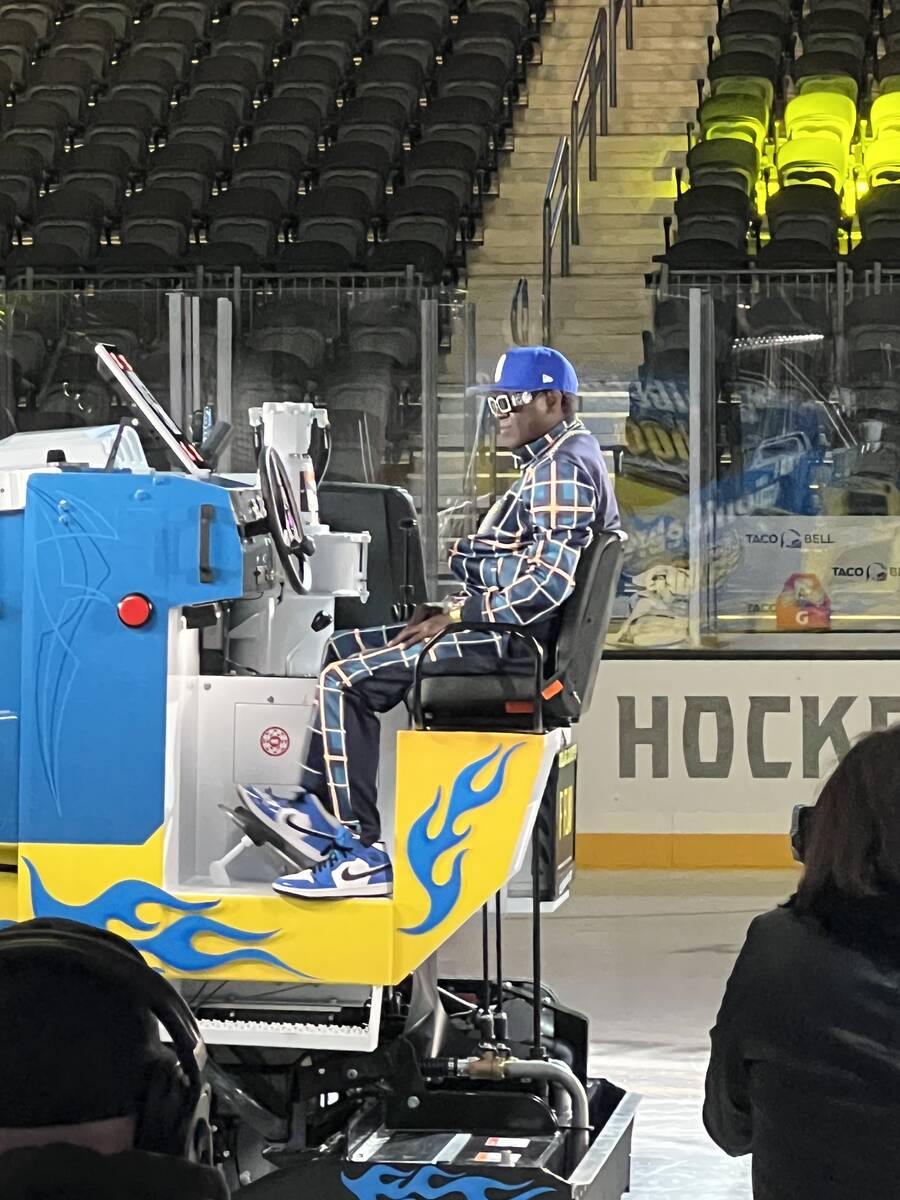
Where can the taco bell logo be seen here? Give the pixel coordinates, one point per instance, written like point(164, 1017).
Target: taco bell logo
point(791, 540)
point(877, 572)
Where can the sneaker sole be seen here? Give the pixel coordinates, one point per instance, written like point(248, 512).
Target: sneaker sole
point(285, 833)
point(375, 889)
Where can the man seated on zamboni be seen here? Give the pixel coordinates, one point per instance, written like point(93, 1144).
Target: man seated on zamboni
point(518, 569)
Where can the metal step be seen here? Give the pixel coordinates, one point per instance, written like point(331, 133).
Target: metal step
point(294, 1033)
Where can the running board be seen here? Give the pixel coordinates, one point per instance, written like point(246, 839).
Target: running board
point(246, 1025)
point(291, 1023)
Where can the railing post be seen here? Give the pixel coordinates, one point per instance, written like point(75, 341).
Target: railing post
point(547, 273)
point(592, 119)
point(605, 77)
point(567, 200)
point(573, 149)
point(612, 54)
point(629, 25)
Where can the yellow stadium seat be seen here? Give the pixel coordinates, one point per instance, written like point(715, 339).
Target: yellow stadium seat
point(881, 160)
point(821, 114)
point(884, 117)
point(821, 160)
point(736, 115)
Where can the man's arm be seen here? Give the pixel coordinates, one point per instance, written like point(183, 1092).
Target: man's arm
point(562, 501)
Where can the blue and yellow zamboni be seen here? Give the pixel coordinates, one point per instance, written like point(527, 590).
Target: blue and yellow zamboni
point(160, 634)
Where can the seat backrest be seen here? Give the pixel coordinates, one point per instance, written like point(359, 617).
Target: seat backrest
point(582, 629)
point(389, 515)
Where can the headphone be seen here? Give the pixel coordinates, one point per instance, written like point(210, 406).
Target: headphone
point(174, 1115)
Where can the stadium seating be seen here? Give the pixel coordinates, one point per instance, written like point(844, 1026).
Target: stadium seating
point(145, 140)
point(403, 105)
point(800, 113)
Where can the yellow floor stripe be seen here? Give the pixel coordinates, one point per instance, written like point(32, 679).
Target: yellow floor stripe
point(683, 851)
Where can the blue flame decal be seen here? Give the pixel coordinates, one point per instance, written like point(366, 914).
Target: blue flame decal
point(430, 1183)
point(424, 851)
point(173, 944)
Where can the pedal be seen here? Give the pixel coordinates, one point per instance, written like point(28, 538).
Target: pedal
point(260, 835)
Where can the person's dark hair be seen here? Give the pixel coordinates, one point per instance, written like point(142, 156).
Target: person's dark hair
point(569, 405)
point(854, 841)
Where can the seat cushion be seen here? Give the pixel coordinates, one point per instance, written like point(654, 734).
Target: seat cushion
point(479, 701)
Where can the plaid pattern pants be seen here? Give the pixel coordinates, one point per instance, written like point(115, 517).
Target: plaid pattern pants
point(361, 677)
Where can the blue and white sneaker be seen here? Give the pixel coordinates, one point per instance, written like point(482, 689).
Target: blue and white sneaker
point(351, 869)
point(299, 820)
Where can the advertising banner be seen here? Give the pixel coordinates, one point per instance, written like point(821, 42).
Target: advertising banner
point(792, 574)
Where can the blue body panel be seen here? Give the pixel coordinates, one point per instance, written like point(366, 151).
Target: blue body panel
point(93, 703)
point(12, 525)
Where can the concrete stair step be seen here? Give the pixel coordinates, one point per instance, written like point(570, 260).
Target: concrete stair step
point(520, 255)
point(592, 224)
point(497, 235)
point(610, 174)
point(530, 191)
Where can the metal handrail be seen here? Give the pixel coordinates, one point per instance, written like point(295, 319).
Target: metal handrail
point(556, 220)
point(519, 315)
point(598, 79)
point(600, 76)
point(594, 77)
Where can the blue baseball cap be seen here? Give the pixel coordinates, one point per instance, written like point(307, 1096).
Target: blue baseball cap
point(532, 369)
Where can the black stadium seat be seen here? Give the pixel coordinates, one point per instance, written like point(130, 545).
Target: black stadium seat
point(488, 33)
point(459, 119)
point(357, 165)
point(102, 170)
point(410, 36)
point(159, 217)
point(422, 258)
point(423, 214)
point(311, 79)
point(245, 216)
point(391, 77)
point(447, 165)
point(229, 78)
point(146, 80)
point(88, 40)
point(197, 13)
point(288, 121)
point(21, 170)
point(188, 168)
point(341, 216)
point(375, 121)
point(63, 81)
point(18, 44)
point(318, 258)
point(39, 14)
point(118, 14)
point(72, 218)
point(276, 168)
point(204, 122)
point(169, 38)
point(124, 124)
point(251, 38)
point(39, 125)
point(357, 11)
point(331, 37)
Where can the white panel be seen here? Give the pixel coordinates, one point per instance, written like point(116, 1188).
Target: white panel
point(771, 712)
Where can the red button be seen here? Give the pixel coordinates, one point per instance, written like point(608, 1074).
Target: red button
point(134, 610)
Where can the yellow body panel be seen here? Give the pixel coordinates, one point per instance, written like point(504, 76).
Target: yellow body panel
point(465, 806)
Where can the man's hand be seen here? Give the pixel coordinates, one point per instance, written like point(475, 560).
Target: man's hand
point(421, 632)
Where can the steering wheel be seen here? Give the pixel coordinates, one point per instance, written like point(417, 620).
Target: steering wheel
point(285, 521)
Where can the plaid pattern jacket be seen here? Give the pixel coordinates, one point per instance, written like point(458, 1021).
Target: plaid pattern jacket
point(520, 565)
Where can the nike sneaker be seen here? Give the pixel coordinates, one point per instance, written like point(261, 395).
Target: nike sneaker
point(351, 869)
point(299, 820)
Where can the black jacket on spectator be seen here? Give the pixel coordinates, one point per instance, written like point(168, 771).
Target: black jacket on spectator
point(805, 1066)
